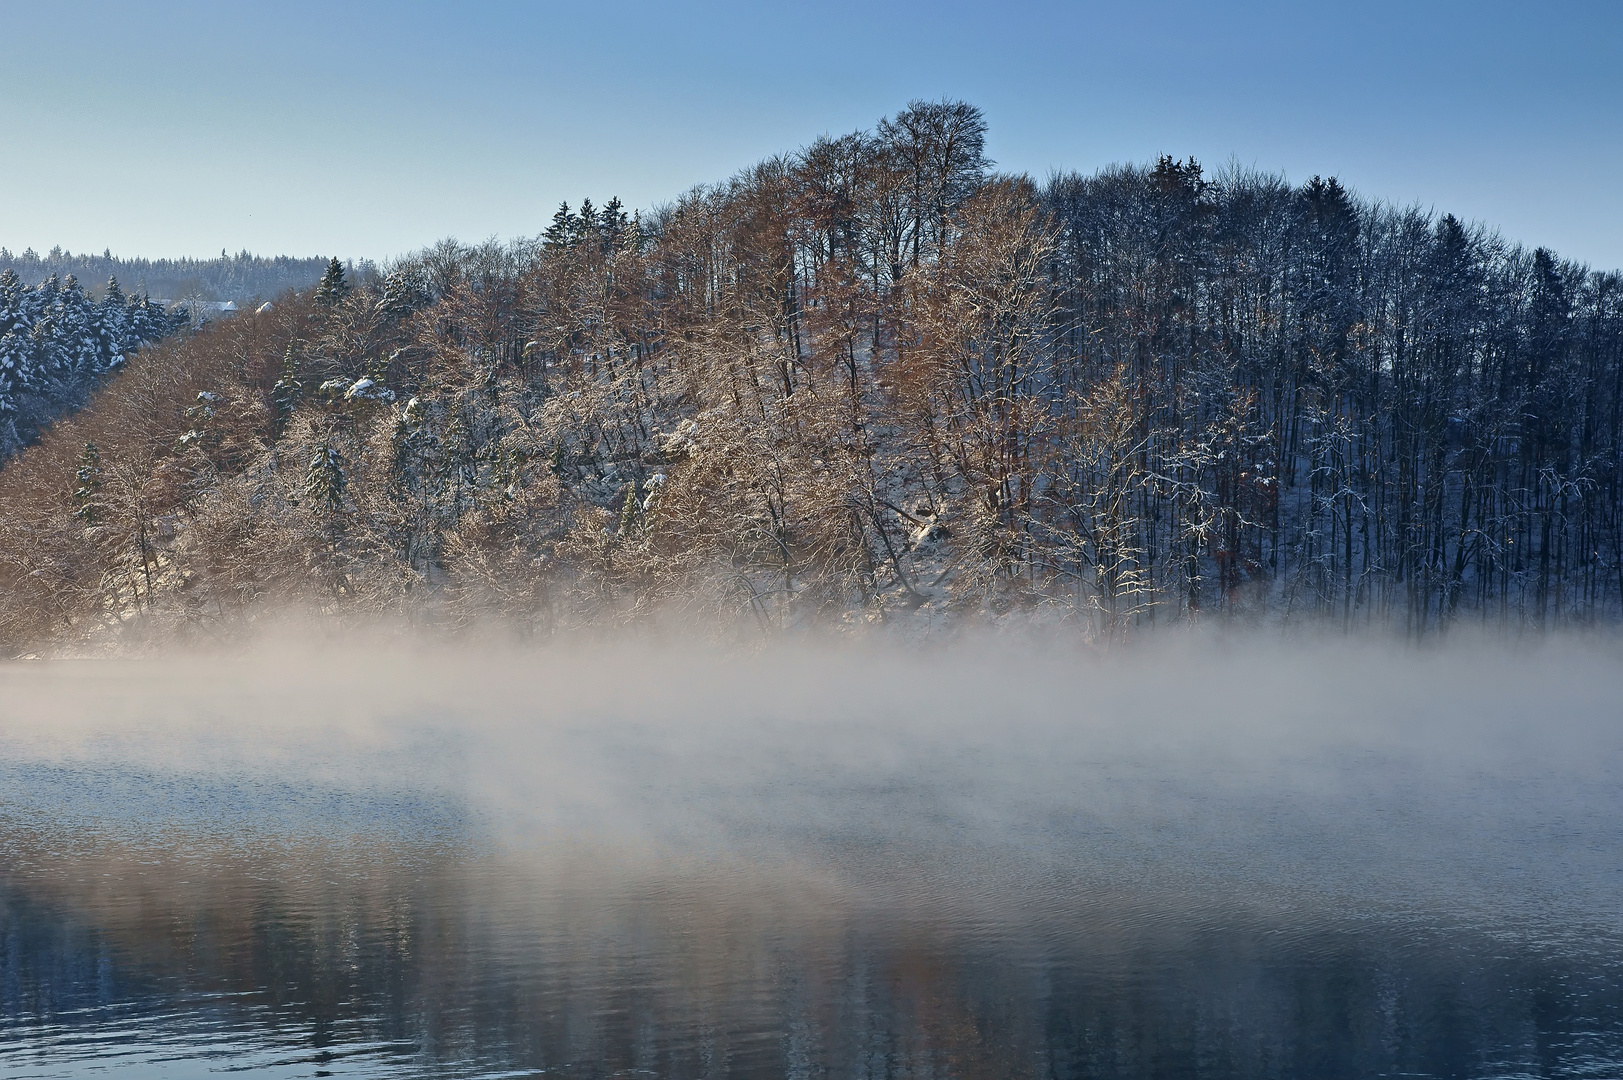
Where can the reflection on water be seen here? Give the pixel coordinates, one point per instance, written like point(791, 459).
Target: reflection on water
point(817, 866)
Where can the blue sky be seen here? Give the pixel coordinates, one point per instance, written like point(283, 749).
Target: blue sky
point(370, 129)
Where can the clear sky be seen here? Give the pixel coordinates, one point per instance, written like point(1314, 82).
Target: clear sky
point(368, 129)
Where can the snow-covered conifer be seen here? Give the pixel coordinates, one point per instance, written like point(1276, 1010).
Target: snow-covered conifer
point(86, 496)
point(285, 394)
point(112, 325)
point(333, 287)
point(564, 229)
point(326, 478)
point(586, 224)
point(405, 290)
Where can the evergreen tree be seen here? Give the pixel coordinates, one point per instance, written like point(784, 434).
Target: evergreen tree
point(333, 287)
point(563, 230)
point(88, 476)
point(46, 358)
point(76, 333)
point(285, 394)
point(13, 362)
point(13, 348)
point(586, 224)
point(150, 323)
point(53, 337)
point(11, 294)
point(628, 513)
point(612, 224)
point(112, 326)
point(405, 290)
point(326, 479)
point(46, 361)
point(631, 237)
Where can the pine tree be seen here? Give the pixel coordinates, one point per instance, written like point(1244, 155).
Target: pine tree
point(14, 366)
point(112, 326)
point(148, 322)
point(325, 479)
point(11, 292)
point(404, 291)
point(88, 509)
point(561, 233)
point(612, 223)
point(13, 363)
point(586, 224)
point(333, 287)
point(631, 238)
point(285, 394)
point(628, 513)
point(75, 332)
point(45, 358)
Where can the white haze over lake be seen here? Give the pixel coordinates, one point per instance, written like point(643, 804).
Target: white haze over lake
point(1477, 782)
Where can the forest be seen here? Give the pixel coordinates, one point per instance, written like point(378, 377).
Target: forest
point(870, 381)
point(56, 342)
point(240, 277)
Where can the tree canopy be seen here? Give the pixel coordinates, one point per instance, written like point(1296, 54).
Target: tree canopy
point(874, 377)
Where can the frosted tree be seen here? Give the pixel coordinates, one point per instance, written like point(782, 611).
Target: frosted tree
point(76, 335)
point(940, 146)
point(287, 388)
point(326, 478)
point(405, 290)
point(112, 325)
point(87, 493)
point(333, 286)
point(14, 353)
point(871, 372)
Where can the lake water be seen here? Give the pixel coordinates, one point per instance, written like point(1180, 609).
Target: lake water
point(1203, 861)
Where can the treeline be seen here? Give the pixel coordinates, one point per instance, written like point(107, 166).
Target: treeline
point(238, 277)
point(1335, 407)
point(868, 379)
point(55, 341)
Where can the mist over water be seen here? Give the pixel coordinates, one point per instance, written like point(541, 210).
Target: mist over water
point(1191, 858)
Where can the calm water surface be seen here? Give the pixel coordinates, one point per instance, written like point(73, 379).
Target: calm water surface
point(826, 865)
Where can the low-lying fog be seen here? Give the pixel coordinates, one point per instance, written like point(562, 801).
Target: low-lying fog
point(1458, 772)
point(994, 792)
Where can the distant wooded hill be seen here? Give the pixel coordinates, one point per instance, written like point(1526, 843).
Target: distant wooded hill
point(238, 277)
point(871, 380)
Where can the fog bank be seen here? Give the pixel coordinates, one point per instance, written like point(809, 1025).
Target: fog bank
point(1464, 779)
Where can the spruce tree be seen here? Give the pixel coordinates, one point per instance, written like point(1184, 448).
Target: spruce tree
point(561, 233)
point(404, 291)
point(586, 223)
point(88, 476)
point(285, 394)
point(612, 223)
point(45, 356)
point(13, 361)
point(13, 346)
point(148, 322)
point(76, 334)
point(112, 326)
point(628, 512)
point(333, 287)
point(11, 294)
point(325, 479)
